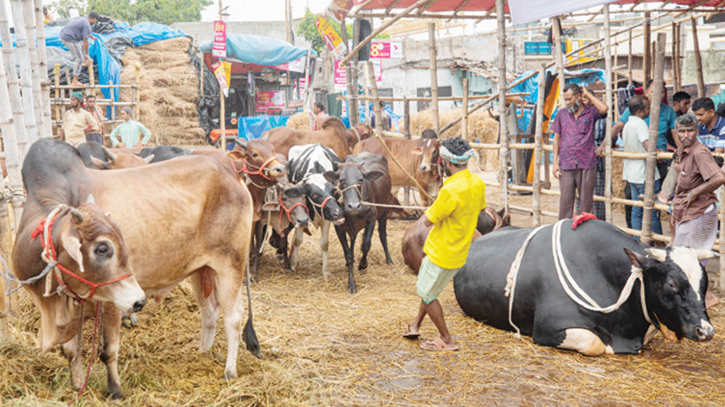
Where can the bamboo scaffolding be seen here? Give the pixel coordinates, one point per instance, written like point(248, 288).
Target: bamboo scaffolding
point(26, 82)
point(559, 58)
point(503, 131)
point(30, 32)
point(13, 81)
point(698, 61)
point(47, 130)
point(629, 60)
point(464, 128)
point(608, 131)
point(58, 117)
point(538, 136)
point(406, 135)
point(433, 77)
point(427, 99)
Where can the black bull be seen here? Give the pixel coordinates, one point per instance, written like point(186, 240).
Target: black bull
point(600, 259)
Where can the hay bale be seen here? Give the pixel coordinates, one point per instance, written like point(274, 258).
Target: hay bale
point(168, 90)
point(299, 121)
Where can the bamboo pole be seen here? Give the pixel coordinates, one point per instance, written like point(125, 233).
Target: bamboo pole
point(649, 190)
point(698, 61)
point(629, 60)
point(433, 77)
point(354, 69)
point(382, 28)
point(646, 63)
point(538, 136)
point(30, 31)
point(609, 217)
point(47, 130)
point(13, 82)
point(559, 55)
point(464, 128)
point(675, 74)
point(136, 93)
point(58, 118)
point(26, 82)
point(504, 152)
point(676, 58)
point(406, 132)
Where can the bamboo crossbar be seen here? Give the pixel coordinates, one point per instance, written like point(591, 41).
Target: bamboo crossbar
point(97, 86)
point(427, 99)
point(99, 102)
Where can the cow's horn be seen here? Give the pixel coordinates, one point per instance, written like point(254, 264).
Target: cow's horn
point(90, 199)
point(111, 156)
point(77, 215)
point(241, 143)
point(657, 254)
point(149, 158)
point(706, 254)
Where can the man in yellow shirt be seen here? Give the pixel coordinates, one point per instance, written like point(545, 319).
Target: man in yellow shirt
point(77, 122)
point(453, 216)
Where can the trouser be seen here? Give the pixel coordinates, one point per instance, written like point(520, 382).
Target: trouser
point(572, 181)
point(76, 50)
point(637, 212)
point(97, 137)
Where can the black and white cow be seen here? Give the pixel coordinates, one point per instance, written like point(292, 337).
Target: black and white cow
point(362, 178)
point(307, 164)
point(163, 153)
point(600, 259)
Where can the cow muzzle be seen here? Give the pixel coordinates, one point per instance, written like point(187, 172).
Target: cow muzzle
point(127, 295)
point(276, 172)
point(424, 167)
point(302, 222)
point(704, 332)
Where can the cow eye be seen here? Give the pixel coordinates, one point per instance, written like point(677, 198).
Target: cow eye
point(255, 155)
point(671, 286)
point(103, 250)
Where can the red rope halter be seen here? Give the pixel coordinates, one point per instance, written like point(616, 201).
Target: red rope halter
point(49, 250)
point(260, 171)
point(288, 211)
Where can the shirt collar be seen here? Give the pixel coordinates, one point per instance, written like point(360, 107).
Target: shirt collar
point(459, 174)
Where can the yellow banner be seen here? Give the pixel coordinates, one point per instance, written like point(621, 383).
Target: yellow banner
point(330, 36)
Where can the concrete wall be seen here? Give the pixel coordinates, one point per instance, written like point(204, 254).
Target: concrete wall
point(712, 66)
point(273, 29)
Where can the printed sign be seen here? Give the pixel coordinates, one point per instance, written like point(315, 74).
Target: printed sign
point(330, 36)
point(340, 75)
point(338, 9)
point(386, 49)
point(219, 47)
point(223, 73)
point(269, 100)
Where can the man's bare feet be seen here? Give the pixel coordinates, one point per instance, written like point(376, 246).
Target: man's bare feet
point(77, 83)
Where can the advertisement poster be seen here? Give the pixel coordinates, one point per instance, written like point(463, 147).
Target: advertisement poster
point(223, 73)
point(269, 100)
point(380, 49)
point(340, 76)
point(330, 36)
point(339, 9)
point(219, 47)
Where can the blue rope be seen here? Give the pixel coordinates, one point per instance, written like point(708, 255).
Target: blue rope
point(11, 279)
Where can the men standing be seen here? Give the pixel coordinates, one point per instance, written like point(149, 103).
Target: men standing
point(681, 103)
point(95, 111)
point(636, 138)
point(319, 116)
point(453, 217)
point(387, 121)
point(77, 122)
point(712, 126)
point(575, 161)
point(694, 210)
point(74, 36)
point(130, 131)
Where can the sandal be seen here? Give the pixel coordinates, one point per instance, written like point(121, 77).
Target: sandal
point(409, 334)
point(437, 345)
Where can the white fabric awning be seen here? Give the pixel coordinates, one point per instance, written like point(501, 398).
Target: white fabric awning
point(526, 11)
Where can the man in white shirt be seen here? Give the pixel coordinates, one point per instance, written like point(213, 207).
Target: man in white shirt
point(636, 137)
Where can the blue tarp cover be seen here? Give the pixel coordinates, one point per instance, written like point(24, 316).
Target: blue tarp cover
point(252, 127)
point(259, 50)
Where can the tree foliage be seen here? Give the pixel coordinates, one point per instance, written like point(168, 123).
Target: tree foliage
point(308, 31)
point(132, 12)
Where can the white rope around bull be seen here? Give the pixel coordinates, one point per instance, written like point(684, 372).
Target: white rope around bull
point(576, 294)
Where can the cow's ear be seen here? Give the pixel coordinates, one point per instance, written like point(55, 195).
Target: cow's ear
point(373, 175)
point(639, 261)
point(331, 176)
point(293, 192)
point(657, 254)
point(72, 246)
point(417, 151)
point(97, 163)
point(237, 154)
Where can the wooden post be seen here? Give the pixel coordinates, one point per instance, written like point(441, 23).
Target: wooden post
point(136, 93)
point(504, 152)
point(608, 132)
point(30, 31)
point(92, 80)
point(113, 106)
point(47, 130)
point(675, 74)
point(465, 108)
point(538, 137)
point(13, 82)
point(559, 55)
point(629, 61)
point(58, 117)
point(649, 188)
point(354, 71)
point(646, 62)
point(698, 61)
point(376, 100)
point(676, 58)
point(406, 133)
point(26, 82)
point(433, 77)
point(350, 90)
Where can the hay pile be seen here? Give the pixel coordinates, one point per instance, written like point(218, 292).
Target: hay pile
point(299, 121)
point(168, 91)
point(481, 128)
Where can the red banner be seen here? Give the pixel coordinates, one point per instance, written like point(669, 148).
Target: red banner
point(219, 47)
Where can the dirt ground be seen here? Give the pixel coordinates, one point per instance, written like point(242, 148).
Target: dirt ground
point(324, 347)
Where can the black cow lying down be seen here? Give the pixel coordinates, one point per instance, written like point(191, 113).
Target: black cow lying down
point(600, 259)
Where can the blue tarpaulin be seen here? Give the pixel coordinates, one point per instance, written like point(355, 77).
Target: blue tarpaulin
point(259, 50)
point(252, 127)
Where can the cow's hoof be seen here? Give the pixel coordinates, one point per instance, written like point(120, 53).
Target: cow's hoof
point(352, 288)
point(129, 320)
point(116, 395)
point(230, 375)
point(389, 261)
point(363, 265)
point(279, 256)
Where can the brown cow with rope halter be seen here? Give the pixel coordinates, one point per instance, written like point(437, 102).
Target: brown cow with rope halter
point(333, 135)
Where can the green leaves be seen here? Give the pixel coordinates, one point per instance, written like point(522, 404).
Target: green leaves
point(156, 11)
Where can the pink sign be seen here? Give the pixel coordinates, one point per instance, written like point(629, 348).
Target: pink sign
point(340, 74)
point(219, 47)
point(269, 100)
point(386, 49)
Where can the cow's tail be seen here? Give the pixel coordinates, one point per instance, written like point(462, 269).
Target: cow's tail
point(248, 335)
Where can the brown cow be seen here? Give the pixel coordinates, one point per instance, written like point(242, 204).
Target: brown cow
point(187, 217)
point(419, 157)
point(333, 135)
point(414, 238)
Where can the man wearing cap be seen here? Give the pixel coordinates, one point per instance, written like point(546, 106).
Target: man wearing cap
point(453, 216)
point(95, 111)
point(130, 131)
point(74, 36)
point(77, 122)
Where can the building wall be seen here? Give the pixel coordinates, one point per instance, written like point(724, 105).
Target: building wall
point(204, 31)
